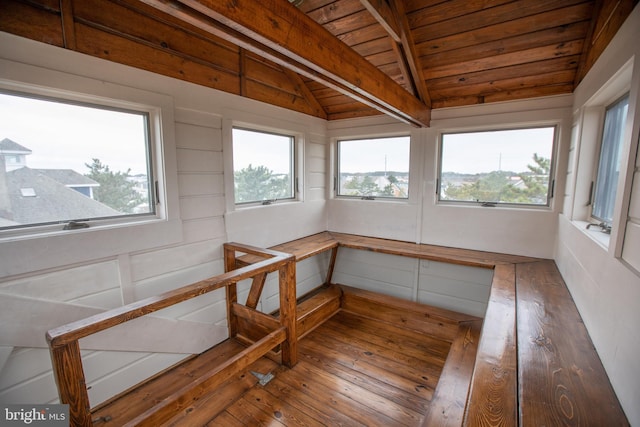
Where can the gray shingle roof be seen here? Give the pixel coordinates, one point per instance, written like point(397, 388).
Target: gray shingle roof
point(36, 198)
point(68, 177)
point(9, 146)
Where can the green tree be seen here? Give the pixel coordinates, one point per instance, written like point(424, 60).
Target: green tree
point(361, 185)
point(115, 190)
point(492, 187)
point(259, 183)
point(537, 179)
point(498, 186)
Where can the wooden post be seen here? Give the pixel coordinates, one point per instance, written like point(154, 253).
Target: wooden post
point(231, 291)
point(72, 389)
point(288, 313)
point(332, 264)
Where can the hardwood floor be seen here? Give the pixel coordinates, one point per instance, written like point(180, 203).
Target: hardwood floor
point(352, 371)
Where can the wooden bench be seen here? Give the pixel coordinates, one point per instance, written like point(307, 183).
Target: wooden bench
point(534, 364)
point(530, 362)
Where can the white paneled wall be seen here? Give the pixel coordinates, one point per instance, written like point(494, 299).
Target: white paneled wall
point(604, 285)
point(454, 287)
point(631, 246)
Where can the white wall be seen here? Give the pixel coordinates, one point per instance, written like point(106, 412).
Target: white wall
point(48, 281)
point(602, 272)
point(455, 287)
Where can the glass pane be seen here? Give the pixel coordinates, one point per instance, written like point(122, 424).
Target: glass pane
point(62, 162)
point(609, 164)
point(374, 167)
point(507, 166)
point(262, 166)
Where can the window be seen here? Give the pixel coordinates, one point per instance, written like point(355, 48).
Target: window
point(497, 167)
point(371, 168)
point(263, 166)
point(606, 183)
point(68, 162)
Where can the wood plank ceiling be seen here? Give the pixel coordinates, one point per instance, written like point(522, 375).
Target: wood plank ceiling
point(338, 59)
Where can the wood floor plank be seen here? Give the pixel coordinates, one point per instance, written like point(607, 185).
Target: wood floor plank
point(297, 394)
point(225, 419)
point(411, 344)
point(327, 392)
point(384, 411)
point(358, 301)
point(250, 415)
point(421, 380)
point(281, 410)
point(394, 394)
point(208, 407)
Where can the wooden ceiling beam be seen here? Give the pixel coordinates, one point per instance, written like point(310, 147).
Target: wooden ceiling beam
point(393, 18)
point(385, 17)
point(409, 49)
point(278, 31)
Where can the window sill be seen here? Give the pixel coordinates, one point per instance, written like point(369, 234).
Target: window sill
point(507, 207)
point(593, 233)
point(260, 205)
point(351, 199)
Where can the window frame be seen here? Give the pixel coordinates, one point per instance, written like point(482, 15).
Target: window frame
point(107, 239)
point(295, 160)
point(594, 218)
point(336, 178)
point(148, 116)
point(551, 188)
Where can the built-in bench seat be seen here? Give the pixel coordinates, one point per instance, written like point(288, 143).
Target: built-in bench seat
point(534, 364)
point(529, 362)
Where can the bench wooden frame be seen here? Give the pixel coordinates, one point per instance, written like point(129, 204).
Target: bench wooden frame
point(530, 362)
point(65, 349)
point(534, 364)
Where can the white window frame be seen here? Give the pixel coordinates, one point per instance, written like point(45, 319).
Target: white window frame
point(124, 218)
point(336, 166)
point(108, 238)
point(250, 121)
point(294, 167)
point(589, 124)
point(606, 225)
point(552, 169)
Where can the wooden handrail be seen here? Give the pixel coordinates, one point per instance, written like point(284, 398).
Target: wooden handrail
point(65, 348)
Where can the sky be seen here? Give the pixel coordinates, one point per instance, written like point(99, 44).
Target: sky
point(511, 150)
point(259, 148)
point(371, 155)
point(65, 136)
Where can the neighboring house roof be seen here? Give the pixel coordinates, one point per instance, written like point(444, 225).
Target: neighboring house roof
point(9, 146)
point(68, 177)
point(37, 198)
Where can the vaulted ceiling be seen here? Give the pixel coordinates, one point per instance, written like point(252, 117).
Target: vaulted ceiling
point(339, 59)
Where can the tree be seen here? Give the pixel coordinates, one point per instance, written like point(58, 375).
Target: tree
point(259, 183)
point(115, 190)
point(361, 185)
point(537, 179)
point(499, 186)
point(492, 187)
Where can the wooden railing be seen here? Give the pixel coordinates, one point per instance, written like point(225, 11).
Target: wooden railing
point(65, 348)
